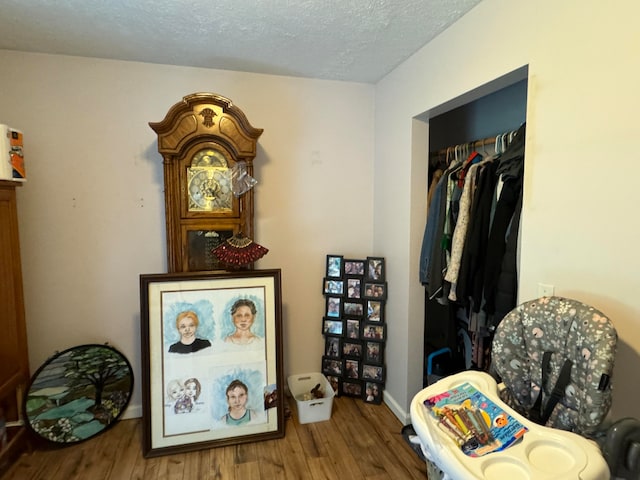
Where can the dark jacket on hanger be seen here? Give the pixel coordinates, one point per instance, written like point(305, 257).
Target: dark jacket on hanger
point(431, 229)
point(506, 296)
point(471, 276)
point(511, 162)
point(501, 282)
point(496, 246)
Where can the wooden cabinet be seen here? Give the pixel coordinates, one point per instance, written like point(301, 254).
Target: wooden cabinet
point(203, 140)
point(14, 359)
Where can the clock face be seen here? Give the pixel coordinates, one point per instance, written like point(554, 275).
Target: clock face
point(209, 189)
point(209, 182)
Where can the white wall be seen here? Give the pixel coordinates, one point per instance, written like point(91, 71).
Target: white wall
point(92, 211)
point(580, 224)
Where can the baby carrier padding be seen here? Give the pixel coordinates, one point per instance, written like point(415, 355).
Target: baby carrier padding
point(568, 330)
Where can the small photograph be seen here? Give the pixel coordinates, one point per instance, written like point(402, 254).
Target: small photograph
point(335, 383)
point(354, 287)
point(333, 287)
point(270, 396)
point(373, 373)
point(332, 327)
point(351, 369)
point(332, 347)
point(353, 309)
point(372, 393)
point(354, 267)
point(373, 332)
point(373, 352)
point(352, 388)
point(375, 269)
point(331, 366)
point(375, 290)
point(334, 307)
point(375, 311)
point(351, 349)
point(353, 328)
point(335, 266)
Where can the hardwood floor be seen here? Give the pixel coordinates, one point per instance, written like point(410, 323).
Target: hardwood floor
point(361, 441)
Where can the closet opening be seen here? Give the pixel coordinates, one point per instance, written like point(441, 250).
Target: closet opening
point(458, 328)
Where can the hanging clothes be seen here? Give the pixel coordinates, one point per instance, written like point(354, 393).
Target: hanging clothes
point(434, 226)
point(501, 281)
point(469, 250)
point(460, 231)
point(471, 275)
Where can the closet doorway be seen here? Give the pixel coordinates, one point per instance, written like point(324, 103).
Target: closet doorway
point(473, 120)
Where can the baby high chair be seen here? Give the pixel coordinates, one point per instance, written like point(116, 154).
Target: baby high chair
point(555, 357)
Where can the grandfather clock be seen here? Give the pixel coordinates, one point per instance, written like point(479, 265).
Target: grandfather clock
point(204, 140)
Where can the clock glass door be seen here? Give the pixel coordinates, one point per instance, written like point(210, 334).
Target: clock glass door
point(200, 246)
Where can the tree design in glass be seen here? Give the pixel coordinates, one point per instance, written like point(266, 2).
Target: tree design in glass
point(78, 393)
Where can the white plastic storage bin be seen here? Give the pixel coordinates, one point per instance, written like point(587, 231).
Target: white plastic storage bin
point(315, 410)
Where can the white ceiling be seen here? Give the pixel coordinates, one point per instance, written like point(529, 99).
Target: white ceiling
point(351, 40)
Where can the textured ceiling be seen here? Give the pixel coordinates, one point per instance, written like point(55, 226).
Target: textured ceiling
point(351, 40)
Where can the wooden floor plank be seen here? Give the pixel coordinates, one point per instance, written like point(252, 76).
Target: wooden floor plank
point(338, 451)
point(222, 463)
point(293, 456)
point(128, 451)
point(359, 442)
point(322, 468)
point(271, 463)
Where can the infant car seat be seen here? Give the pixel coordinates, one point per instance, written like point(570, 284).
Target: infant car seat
point(555, 357)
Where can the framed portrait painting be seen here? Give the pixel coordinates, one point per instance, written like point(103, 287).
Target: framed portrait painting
point(211, 359)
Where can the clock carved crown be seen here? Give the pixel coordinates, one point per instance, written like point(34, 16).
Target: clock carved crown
point(201, 139)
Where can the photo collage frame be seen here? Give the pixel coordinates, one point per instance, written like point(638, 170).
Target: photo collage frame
point(354, 326)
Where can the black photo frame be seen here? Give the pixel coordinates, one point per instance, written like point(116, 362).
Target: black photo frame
point(333, 286)
point(373, 352)
point(333, 306)
point(372, 392)
point(352, 329)
point(373, 373)
point(351, 369)
point(354, 267)
point(375, 269)
point(351, 388)
point(354, 326)
point(332, 346)
point(331, 366)
point(374, 290)
point(353, 308)
point(354, 287)
point(352, 348)
point(335, 266)
point(375, 310)
point(374, 331)
point(333, 327)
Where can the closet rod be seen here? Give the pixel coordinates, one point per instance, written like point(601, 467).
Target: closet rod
point(474, 144)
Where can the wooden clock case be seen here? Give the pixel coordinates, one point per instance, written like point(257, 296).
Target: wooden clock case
point(202, 124)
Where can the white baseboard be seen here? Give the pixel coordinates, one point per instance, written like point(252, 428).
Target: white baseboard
point(397, 410)
point(132, 411)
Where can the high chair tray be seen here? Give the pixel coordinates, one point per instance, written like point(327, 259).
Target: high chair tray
point(538, 452)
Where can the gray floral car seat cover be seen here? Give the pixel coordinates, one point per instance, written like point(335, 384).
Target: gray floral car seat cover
point(568, 330)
